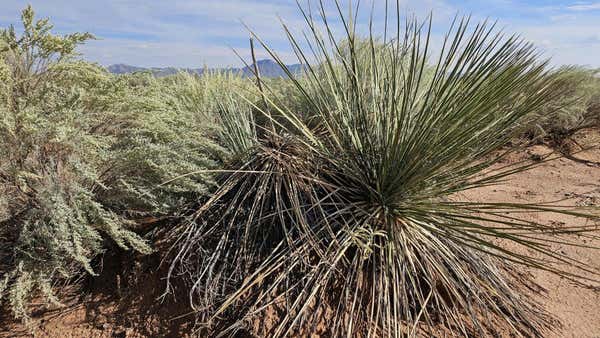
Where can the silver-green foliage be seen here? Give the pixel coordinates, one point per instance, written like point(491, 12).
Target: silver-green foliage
point(575, 106)
point(84, 153)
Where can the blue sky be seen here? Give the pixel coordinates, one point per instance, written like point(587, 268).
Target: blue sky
point(193, 33)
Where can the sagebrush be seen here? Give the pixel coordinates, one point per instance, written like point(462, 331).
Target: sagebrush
point(85, 154)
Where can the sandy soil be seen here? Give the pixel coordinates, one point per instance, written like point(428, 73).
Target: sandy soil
point(576, 307)
point(119, 305)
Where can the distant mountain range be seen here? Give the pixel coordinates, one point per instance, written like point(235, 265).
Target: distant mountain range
point(267, 68)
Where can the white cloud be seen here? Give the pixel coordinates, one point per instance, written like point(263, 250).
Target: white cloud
point(567, 41)
point(189, 33)
point(584, 6)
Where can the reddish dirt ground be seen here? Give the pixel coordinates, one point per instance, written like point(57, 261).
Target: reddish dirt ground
point(576, 307)
point(119, 305)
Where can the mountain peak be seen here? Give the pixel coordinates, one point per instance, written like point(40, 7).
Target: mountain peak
point(266, 62)
point(267, 68)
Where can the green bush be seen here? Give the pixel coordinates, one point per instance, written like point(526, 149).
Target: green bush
point(575, 106)
point(84, 154)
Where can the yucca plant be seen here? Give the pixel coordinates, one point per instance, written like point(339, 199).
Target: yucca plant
point(345, 219)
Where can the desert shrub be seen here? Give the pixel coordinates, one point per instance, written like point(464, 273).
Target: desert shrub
point(344, 219)
point(156, 137)
point(84, 155)
point(576, 106)
point(223, 100)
